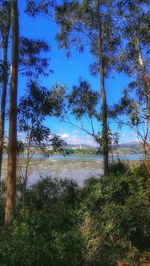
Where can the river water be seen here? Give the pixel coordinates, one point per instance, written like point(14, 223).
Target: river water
point(75, 167)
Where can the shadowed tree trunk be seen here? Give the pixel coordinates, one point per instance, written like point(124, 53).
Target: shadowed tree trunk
point(148, 100)
point(12, 145)
point(103, 95)
point(3, 98)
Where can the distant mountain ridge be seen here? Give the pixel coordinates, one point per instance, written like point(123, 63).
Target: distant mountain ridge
point(128, 145)
point(124, 148)
point(131, 147)
point(83, 146)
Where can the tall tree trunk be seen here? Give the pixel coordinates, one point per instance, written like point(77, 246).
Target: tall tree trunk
point(147, 85)
point(148, 100)
point(145, 78)
point(27, 166)
point(146, 82)
point(3, 98)
point(103, 95)
point(12, 146)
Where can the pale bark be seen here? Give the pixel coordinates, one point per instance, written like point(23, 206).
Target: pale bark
point(12, 145)
point(103, 95)
point(145, 78)
point(146, 82)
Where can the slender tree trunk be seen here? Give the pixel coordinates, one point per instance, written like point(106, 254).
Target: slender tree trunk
point(12, 146)
point(148, 102)
point(3, 99)
point(147, 85)
point(146, 82)
point(26, 167)
point(103, 95)
point(145, 78)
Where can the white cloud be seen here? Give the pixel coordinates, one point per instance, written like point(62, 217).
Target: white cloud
point(128, 137)
point(75, 138)
point(65, 136)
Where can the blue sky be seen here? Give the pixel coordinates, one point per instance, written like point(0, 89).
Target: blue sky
point(68, 72)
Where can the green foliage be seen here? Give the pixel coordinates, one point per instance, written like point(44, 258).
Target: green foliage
point(86, 151)
point(2, 200)
point(112, 140)
point(140, 170)
point(79, 26)
point(33, 64)
point(118, 168)
point(4, 21)
point(45, 230)
point(83, 100)
point(134, 61)
point(31, 114)
point(68, 151)
point(116, 220)
point(90, 24)
point(57, 223)
point(37, 7)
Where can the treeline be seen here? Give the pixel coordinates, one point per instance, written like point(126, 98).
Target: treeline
point(68, 151)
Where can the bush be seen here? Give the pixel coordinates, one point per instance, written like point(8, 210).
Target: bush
point(116, 220)
point(140, 170)
point(57, 223)
point(44, 231)
point(118, 168)
point(2, 201)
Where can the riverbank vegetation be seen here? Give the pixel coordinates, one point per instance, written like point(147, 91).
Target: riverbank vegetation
point(58, 223)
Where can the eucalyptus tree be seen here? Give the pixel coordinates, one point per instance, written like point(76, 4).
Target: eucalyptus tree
point(26, 53)
point(134, 60)
point(91, 23)
point(4, 34)
point(36, 7)
point(32, 110)
point(31, 63)
point(82, 103)
point(12, 145)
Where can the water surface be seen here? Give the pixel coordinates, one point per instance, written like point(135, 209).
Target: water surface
point(76, 167)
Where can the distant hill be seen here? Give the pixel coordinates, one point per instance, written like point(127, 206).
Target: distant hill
point(133, 147)
point(124, 148)
point(130, 148)
point(80, 146)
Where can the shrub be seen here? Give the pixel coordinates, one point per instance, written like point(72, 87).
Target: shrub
point(58, 224)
